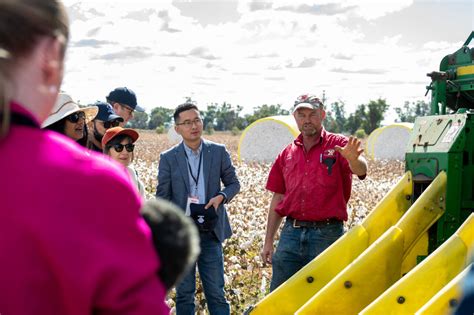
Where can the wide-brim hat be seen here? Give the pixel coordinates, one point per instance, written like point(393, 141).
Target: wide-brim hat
point(116, 131)
point(65, 106)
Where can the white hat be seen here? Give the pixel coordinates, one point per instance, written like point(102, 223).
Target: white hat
point(64, 107)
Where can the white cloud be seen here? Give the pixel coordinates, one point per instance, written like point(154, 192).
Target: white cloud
point(269, 55)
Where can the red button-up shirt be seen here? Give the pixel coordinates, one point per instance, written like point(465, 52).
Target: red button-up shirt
point(311, 192)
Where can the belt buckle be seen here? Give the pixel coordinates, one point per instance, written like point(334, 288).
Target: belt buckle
point(295, 225)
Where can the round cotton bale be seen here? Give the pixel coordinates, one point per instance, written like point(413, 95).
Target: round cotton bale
point(369, 145)
point(264, 139)
point(390, 142)
point(173, 136)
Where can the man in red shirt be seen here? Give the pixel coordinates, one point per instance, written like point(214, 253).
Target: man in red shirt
point(311, 183)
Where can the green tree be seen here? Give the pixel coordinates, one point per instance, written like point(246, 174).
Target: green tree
point(209, 116)
point(139, 121)
point(374, 114)
point(409, 111)
point(355, 120)
point(336, 118)
point(159, 117)
point(227, 117)
point(265, 111)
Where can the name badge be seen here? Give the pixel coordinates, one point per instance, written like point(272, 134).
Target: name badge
point(191, 199)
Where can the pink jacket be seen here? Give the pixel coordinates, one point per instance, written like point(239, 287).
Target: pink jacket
point(71, 238)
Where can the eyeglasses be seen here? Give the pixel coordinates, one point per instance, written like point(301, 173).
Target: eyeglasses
point(119, 147)
point(190, 123)
point(74, 117)
point(128, 109)
point(110, 124)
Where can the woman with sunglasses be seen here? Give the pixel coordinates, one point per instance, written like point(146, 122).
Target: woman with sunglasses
point(69, 119)
point(118, 144)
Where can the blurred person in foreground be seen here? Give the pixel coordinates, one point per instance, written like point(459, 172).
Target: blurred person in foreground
point(69, 119)
point(124, 102)
point(105, 119)
point(190, 175)
point(311, 183)
point(60, 253)
point(119, 144)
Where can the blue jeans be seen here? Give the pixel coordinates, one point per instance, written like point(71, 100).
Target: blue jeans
point(211, 271)
point(298, 246)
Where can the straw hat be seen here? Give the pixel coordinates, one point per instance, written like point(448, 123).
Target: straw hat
point(64, 107)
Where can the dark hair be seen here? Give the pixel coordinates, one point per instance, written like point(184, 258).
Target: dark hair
point(181, 108)
point(22, 23)
point(114, 141)
point(60, 127)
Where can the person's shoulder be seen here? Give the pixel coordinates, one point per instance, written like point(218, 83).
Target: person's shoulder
point(336, 137)
point(171, 150)
point(213, 145)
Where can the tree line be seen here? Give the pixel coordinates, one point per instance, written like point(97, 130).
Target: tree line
point(225, 116)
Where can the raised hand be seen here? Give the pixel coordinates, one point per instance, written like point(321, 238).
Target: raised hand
point(352, 150)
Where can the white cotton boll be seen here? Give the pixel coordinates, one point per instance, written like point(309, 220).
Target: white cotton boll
point(234, 259)
point(246, 245)
point(263, 285)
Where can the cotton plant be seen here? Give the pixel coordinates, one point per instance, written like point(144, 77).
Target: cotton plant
point(246, 278)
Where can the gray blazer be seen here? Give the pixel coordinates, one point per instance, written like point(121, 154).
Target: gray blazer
point(173, 179)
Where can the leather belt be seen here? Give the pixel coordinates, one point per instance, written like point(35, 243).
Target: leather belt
point(312, 224)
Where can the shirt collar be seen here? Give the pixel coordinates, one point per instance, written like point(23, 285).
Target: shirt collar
point(189, 151)
point(18, 108)
point(299, 140)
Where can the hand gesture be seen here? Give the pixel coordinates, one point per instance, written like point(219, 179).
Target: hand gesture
point(352, 150)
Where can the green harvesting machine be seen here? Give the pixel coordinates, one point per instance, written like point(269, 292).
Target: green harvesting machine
point(444, 141)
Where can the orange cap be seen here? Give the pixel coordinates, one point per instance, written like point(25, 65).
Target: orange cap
point(115, 131)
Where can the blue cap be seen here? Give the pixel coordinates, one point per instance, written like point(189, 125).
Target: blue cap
point(106, 112)
point(126, 96)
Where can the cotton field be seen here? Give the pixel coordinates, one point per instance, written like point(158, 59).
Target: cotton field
point(247, 280)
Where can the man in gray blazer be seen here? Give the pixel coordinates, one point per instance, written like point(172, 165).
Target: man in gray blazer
point(191, 173)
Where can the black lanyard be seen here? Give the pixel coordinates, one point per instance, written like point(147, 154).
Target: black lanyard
point(196, 179)
point(22, 120)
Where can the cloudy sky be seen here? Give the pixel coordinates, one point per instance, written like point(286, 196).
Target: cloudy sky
point(261, 52)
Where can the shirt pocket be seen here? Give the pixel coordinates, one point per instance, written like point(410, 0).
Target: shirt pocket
point(326, 180)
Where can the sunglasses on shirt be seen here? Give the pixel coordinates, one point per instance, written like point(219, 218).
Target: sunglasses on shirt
point(119, 147)
point(74, 118)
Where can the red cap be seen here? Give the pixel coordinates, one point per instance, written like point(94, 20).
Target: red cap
point(115, 131)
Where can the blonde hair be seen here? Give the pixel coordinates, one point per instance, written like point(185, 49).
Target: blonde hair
point(22, 23)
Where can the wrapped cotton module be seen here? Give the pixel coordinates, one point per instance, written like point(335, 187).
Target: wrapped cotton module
point(264, 139)
point(389, 142)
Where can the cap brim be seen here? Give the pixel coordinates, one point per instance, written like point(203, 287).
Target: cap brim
point(304, 105)
point(127, 132)
point(115, 117)
point(131, 133)
point(139, 109)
